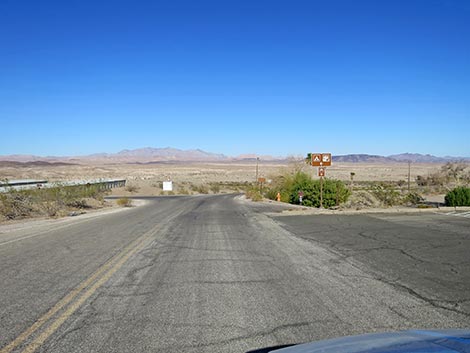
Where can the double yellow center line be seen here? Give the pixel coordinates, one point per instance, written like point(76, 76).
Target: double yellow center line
point(73, 300)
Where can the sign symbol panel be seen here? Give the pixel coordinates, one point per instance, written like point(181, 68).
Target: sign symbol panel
point(316, 159)
point(326, 159)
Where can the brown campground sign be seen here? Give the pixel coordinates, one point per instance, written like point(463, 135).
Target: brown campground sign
point(326, 159)
point(316, 159)
point(321, 159)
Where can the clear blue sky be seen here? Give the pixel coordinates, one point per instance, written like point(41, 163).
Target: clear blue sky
point(233, 77)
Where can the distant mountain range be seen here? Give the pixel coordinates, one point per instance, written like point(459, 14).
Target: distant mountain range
point(403, 157)
point(149, 154)
point(140, 155)
point(169, 154)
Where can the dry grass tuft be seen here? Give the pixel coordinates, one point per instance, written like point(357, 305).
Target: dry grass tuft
point(124, 202)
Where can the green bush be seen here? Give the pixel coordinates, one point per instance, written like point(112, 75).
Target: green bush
point(459, 196)
point(289, 186)
point(334, 191)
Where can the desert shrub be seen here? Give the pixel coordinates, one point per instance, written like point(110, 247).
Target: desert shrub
point(281, 183)
point(362, 198)
point(334, 191)
point(253, 193)
point(235, 186)
point(132, 188)
point(201, 189)
point(183, 191)
point(413, 198)
point(78, 204)
point(15, 204)
point(459, 196)
point(51, 208)
point(272, 194)
point(434, 179)
point(68, 195)
point(401, 183)
point(88, 191)
point(54, 201)
point(387, 194)
point(215, 188)
point(421, 180)
point(454, 173)
point(124, 202)
point(289, 186)
point(466, 177)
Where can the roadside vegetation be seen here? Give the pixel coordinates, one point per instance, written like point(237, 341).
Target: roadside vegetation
point(395, 194)
point(124, 202)
point(254, 193)
point(291, 184)
point(448, 177)
point(132, 188)
point(459, 196)
point(51, 202)
point(451, 178)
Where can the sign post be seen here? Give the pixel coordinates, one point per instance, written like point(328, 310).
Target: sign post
point(321, 160)
point(321, 174)
point(321, 192)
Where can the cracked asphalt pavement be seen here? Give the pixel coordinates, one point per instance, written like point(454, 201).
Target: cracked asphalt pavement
point(218, 274)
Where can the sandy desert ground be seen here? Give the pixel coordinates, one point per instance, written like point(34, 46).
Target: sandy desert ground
point(148, 177)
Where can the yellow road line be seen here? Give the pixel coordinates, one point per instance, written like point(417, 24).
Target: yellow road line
point(69, 297)
point(75, 305)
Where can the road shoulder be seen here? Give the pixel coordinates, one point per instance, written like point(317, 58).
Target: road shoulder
point(16, 230)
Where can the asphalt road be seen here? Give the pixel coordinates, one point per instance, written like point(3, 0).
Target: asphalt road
point(216, 274)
